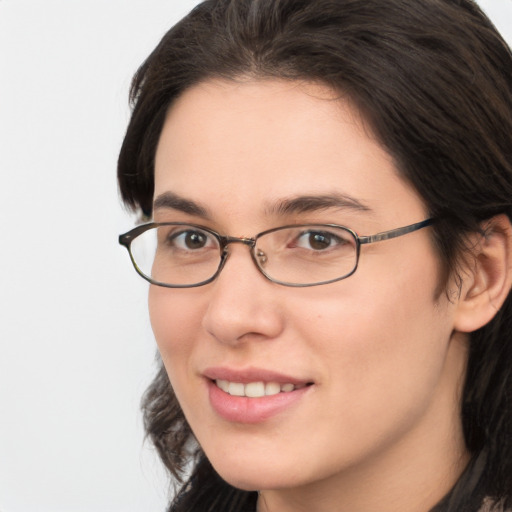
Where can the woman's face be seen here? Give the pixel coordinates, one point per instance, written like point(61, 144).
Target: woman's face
point(372, 358)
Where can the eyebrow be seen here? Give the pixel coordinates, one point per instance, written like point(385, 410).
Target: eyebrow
point(312, 203)
point(169, 200)
point(294, 205)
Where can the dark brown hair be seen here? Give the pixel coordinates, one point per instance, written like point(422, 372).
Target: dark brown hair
point(433, 80)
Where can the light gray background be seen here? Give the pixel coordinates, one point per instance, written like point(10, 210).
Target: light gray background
point(76, 350)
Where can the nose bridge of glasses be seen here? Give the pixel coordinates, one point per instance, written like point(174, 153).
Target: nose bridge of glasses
point(226, 240)
point(258, 257)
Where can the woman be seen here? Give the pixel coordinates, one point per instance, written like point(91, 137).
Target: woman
point(337, 370)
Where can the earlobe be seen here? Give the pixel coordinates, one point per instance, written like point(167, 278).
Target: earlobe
point(487, 275)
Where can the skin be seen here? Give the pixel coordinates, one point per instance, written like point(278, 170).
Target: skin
point(379, 429)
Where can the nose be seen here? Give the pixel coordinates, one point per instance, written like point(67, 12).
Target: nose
point(243, 305)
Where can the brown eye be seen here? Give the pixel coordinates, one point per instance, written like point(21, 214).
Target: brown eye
point(318, 240)
point(192, 240)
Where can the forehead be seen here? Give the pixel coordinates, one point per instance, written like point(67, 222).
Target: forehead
point(242, 145)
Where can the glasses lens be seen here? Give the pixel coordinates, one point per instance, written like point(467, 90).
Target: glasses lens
point(178, 255)
point(303, 255)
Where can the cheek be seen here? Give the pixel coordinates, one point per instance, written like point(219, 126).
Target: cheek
point(174, 322)
point(384, 339)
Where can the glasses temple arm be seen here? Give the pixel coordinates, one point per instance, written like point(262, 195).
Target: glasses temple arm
point(393, 233)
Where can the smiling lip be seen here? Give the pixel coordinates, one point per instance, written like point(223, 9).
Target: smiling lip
point(243, 409)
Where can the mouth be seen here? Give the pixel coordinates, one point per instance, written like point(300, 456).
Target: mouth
point(253, 395)
point(258, 389)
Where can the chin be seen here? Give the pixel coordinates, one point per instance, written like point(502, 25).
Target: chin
point(249, 476)
point(256, 482)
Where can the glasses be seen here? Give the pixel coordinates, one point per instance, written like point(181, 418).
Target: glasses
point(178, 255)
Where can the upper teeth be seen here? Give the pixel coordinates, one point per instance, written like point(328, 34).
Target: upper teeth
point(255, 389)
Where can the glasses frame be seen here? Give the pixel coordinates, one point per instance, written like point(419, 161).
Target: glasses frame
point(127, 238)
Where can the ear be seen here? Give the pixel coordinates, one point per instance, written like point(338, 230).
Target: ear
point(487, 275)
